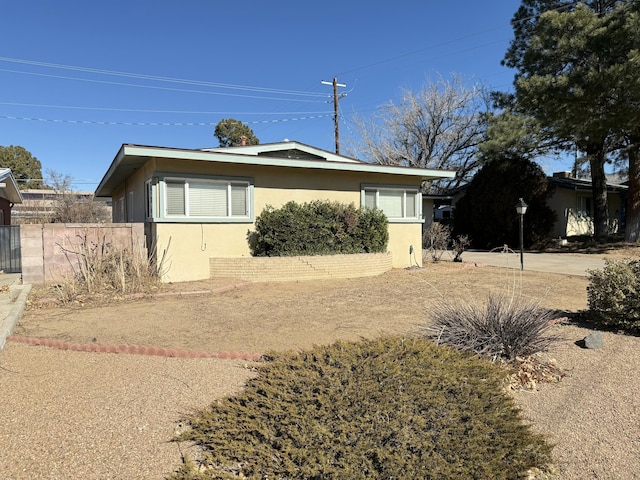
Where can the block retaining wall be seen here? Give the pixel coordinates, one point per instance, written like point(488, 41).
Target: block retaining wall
point(43, 246)
point(274, 269)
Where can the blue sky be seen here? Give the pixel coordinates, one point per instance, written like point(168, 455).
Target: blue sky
point(183, 66)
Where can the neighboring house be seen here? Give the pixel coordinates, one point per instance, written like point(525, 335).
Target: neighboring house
point(201, 204)
point(39, 205)
point(437, 208)
point(9, 195)
point(573, 203)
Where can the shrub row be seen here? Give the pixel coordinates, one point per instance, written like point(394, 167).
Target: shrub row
point(319, 227)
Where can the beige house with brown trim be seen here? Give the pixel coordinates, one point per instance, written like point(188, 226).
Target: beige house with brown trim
point(199, 205)
point(572, 201)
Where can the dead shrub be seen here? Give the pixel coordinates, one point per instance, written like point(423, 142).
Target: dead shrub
point(436, 240)
point(102, 266)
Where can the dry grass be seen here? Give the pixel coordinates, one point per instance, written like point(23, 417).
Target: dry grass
point(102, 267)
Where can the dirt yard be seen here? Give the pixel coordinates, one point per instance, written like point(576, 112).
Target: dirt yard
point(259, 317)
point(593, 415)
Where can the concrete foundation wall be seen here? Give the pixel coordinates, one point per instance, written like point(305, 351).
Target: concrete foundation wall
point(274, 269)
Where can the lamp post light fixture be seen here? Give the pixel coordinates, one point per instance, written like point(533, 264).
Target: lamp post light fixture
point(521, 208)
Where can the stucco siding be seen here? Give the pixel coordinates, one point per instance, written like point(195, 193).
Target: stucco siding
point(572, 220)
point(561, 202)
point(402, 236)
point(190, 245)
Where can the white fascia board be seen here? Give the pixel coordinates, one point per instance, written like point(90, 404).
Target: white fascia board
point(10, 186)
point(141, 151)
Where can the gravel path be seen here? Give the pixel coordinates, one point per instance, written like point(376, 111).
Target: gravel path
point(100, 415)
point(593, 415)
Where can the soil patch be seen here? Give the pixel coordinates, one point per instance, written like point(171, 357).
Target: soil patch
point(233, 315)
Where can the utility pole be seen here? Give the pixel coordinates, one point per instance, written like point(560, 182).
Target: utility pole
point(336, 97)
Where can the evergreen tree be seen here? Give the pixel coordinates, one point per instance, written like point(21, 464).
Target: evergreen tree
point(577, 67)
point(229, 133)
point(487, 214)
point(26, 168)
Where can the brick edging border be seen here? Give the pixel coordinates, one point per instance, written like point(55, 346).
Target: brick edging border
point(133, 349)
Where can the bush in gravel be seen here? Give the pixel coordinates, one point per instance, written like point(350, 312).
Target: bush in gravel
point(376, 409)
point(503, 327)
point(613, 294)
point(319, 227)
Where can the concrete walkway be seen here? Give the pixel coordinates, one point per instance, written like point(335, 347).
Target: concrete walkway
point(13, 298)
point(565, 263)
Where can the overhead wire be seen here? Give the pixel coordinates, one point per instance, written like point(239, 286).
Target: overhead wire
point(156, 87)
point(158, 78)
point(155, 124)
point(211, 84)
point(137, 110)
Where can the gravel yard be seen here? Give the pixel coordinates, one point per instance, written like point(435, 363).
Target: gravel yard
point(80, 415)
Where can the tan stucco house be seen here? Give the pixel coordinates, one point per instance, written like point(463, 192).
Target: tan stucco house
point(200, 204)
point(572, 201)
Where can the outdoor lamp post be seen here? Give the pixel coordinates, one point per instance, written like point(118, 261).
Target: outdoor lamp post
point(521, 208)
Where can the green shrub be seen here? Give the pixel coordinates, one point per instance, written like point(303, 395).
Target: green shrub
point(502, 327)
point(614, 295)
point(376, 409)
point(319, 227)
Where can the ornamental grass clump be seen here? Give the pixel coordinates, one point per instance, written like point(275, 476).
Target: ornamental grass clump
point(503, 327)
point(376, 409)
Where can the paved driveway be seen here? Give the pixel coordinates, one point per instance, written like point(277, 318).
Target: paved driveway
point(566, 263)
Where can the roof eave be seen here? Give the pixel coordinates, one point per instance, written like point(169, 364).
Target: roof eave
point(11, 190)
point(143, 153)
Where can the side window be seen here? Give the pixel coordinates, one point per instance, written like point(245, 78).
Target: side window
point(395, 202)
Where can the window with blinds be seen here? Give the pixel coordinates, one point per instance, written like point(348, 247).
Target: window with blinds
point(217, 199)
point(396, 203)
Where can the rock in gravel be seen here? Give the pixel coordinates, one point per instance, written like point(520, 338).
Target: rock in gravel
point(594, 340)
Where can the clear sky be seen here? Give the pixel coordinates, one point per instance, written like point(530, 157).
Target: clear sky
point(80, 78)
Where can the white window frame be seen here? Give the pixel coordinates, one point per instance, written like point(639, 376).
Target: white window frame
point(229, 182)
point(409, 194)
point(149, 203)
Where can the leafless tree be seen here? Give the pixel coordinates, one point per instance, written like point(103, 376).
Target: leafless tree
point(72, 207)
point(439, 127)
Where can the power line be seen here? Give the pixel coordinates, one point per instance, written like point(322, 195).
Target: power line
point(155, 124)
point(156, 87)
point(134, 110)
point(159, 78)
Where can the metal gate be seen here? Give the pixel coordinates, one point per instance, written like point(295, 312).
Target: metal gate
point(10, 255)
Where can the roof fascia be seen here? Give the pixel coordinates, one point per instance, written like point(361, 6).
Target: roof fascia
point(223, 157)
point(11, 186)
